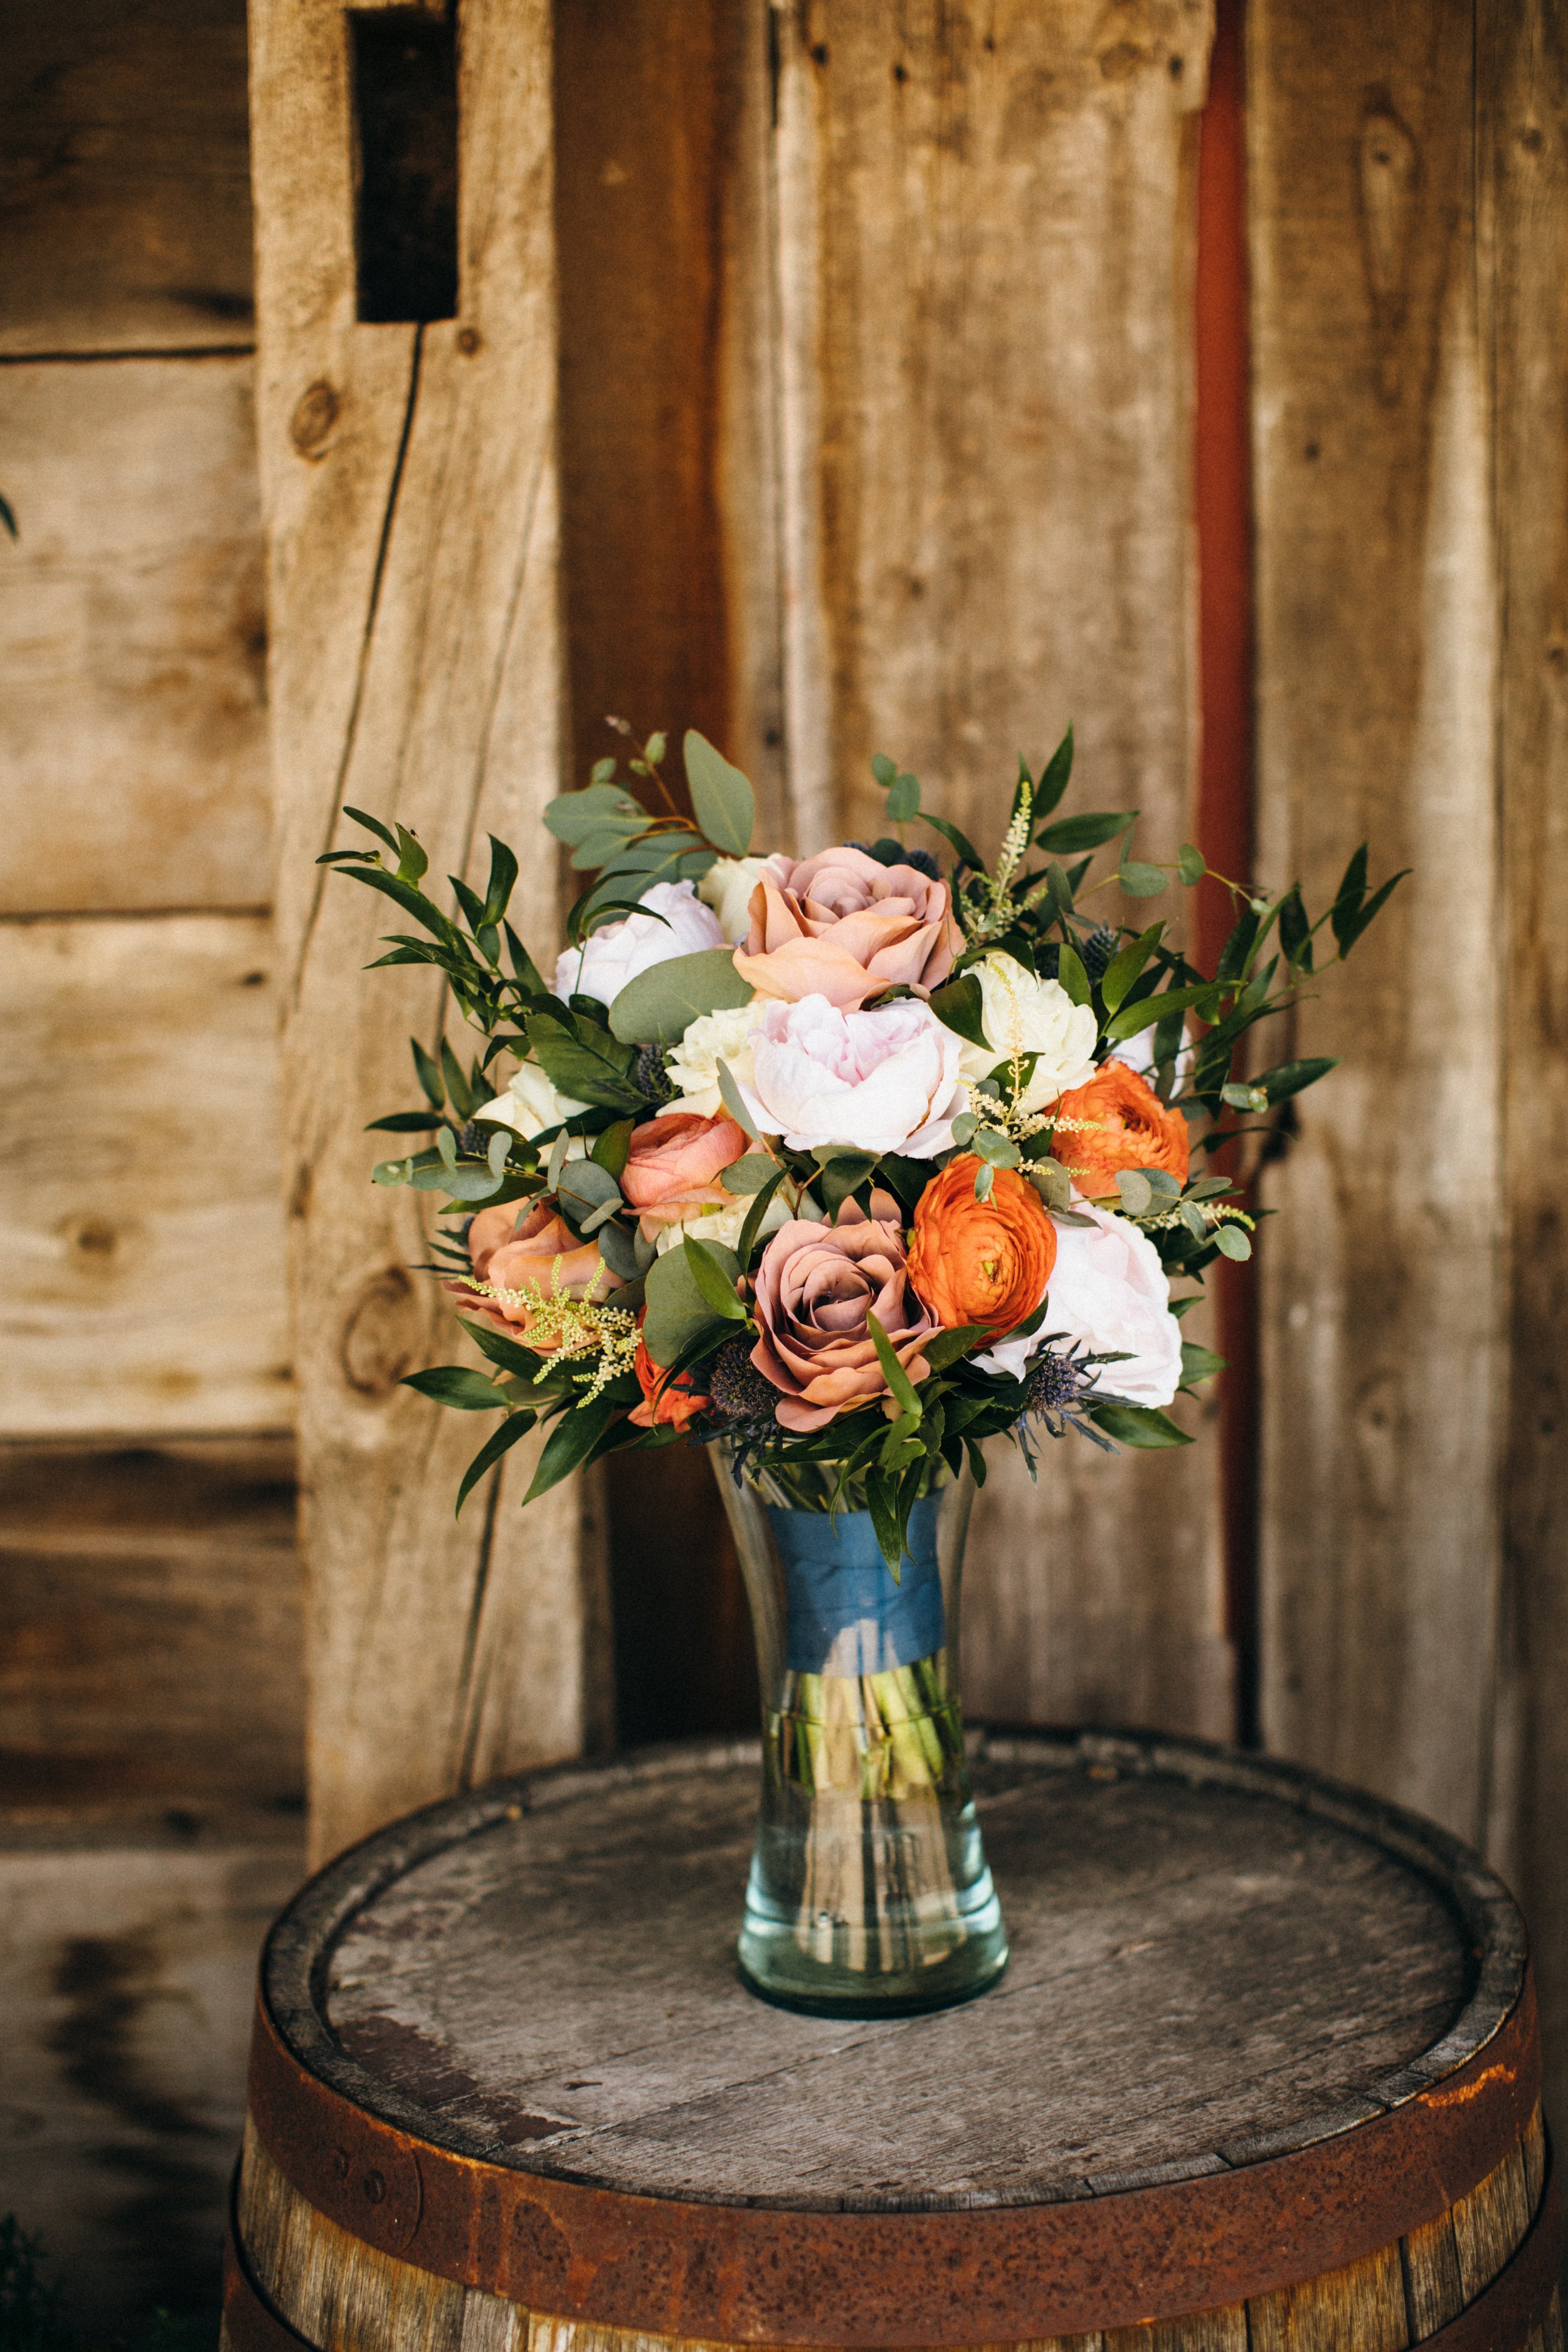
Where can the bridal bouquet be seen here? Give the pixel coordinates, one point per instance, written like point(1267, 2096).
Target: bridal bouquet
point(848, 1160)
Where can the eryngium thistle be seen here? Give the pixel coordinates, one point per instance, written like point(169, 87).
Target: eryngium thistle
point(650, 1077)
point(1098, 951)
point(474, 1142)
point(1055, 1384)
point(737, 1391)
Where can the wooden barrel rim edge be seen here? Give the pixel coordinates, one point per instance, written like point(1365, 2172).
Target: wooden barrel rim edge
point(1271, 2216)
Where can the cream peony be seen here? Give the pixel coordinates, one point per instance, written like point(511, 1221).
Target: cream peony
point(727, 888)
point(602, 966)
point(1021, 1014)
point(1138, 1053)
point(533, 1103)
point(881, 1081)
point(712, 1038)
point(1108, 1290)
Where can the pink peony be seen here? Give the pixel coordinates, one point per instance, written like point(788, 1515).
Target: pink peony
point(885, 1081)
point(841, 926)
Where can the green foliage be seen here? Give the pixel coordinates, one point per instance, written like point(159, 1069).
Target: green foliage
point(660, 1005)
point(725, 804)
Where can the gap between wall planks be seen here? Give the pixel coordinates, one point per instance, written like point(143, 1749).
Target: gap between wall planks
point(1223, 501)
point(1409, 246)
point(409, 493)
point(984, 231)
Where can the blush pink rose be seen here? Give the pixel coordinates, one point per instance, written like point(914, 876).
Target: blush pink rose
point(841, 926)
point(672, 1169)
point(814, 1288)
point(529, 1255)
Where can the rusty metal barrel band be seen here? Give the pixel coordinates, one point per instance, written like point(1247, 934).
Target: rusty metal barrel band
point(779, 2272)
point(767, 2276)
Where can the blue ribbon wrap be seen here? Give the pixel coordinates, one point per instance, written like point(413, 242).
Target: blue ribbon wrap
point(847, 1616)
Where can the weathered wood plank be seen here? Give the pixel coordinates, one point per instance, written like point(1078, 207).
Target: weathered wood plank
point(1523, 65)
point(151, 1626)
point(127, 1974)
point(141, 1230)
point(1382, 1300)
point(132, 731)
point(124, 176)
point(985, 236)
point(410, 493)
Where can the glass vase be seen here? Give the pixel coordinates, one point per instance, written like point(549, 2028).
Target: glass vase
point(869, 1894)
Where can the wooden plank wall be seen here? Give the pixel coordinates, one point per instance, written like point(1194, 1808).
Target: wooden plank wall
point(151, 1650)
point(1408, 168)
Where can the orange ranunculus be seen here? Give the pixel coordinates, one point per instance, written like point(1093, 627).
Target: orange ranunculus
point(1124, 1125)
point(676, 1403)
point(528, 1257)
point(984, 1262)
point(672, 1170)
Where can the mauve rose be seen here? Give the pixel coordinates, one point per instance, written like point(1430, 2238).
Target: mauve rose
point(814, 1288)
point(530, 1256)
point(839, 925)
point(607, 959)
point(673, 1165)
point(1108, 1290)
point(885, 1081)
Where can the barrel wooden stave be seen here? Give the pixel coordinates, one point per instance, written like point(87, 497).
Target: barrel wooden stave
point(329, 2287)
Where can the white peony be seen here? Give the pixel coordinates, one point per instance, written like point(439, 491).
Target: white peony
point(881, 1081)
point(722, 1225)
point(607, 959)
point(727, 888)
point(1021, 1014)
point(1108, 1290)
point(1138, 1053)
point(712, 1038)
point(531, 1103)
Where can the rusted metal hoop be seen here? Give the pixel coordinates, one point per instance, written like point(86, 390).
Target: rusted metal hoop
point(1328, 2194)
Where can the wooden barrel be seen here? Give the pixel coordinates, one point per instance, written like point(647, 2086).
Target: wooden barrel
point(1263, 2074)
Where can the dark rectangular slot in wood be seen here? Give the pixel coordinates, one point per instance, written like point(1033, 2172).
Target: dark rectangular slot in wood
point(406, 124)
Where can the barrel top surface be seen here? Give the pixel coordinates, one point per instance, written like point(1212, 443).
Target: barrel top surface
point(1214, 1961)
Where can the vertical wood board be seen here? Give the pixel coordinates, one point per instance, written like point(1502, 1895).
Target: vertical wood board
point(1381, 1279)
point(141, 1230)
point(409, 487)
point(133, 639)
point(124, 177)
point(1522, 56)
point(984, 236)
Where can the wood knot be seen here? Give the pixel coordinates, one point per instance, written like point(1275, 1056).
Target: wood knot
point(469, 341)
point(91, 1238)
point(380, 1334)
point(315, 414)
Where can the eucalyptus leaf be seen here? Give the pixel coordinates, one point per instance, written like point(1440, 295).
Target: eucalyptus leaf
point(1233, 1241)
point(903, 800)
point(660, 1005)
point(677, 1312)
point(1137, 1192)
point(1142, 881)
point(751, 1172)
point(1190, 865)
point(724, 803)
point(1000, 1150)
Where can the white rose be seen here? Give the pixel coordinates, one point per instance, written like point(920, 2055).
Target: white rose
point(531, 1103)
point(1021, 1014)
point(1108, 1290)
point(602, 966)
point(881, 1081)
point(722, 1225)
point(727, 888)
point(712, 1038)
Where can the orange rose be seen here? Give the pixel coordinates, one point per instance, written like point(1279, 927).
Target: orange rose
point(671, 1171)
point(842, 926)
point(984, 1262)
point(1126, 1126)
point(676, 1403)
point(527, 1257)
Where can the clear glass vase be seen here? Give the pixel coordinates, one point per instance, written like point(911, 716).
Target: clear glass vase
point(869, 1894)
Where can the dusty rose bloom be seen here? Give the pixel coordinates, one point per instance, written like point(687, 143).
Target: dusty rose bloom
point(815, 1287)
point(524, 1254)
point(841, 926)
point(672, 1170)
